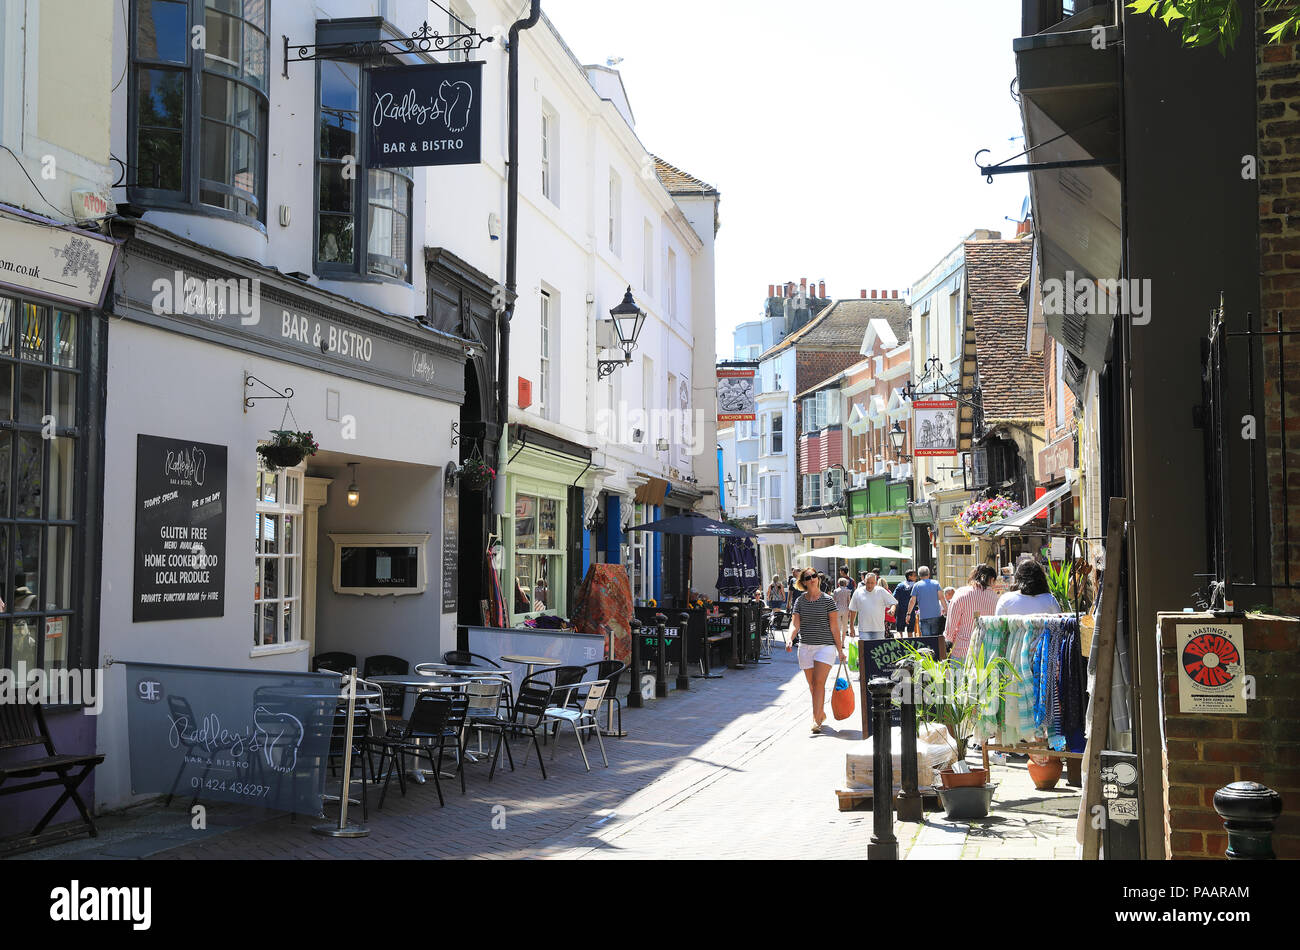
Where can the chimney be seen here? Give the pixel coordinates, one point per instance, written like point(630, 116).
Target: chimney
point(771, 290)
point(895, 294)
point(821, 289)
point(803, 286)
point(873, 294)
point(884, 295)
point(864, 295)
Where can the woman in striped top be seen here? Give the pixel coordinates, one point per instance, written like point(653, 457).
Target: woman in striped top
point(815, 621)
point(976, 599)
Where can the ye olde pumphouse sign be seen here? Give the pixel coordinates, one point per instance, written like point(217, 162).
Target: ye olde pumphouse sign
point(426, 115)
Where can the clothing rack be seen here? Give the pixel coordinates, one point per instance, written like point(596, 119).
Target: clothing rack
point(1034, 747)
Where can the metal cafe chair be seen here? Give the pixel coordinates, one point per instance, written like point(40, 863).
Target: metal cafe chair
point(583, 719)
point(484, 697)
point(611, 670)
point(466, 658)
point(384, 665)
point(360, 752)
point(528, 716)
point(333, 662)
point(428, 725)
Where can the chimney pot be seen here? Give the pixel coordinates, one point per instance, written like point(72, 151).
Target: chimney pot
point(821, 289)
point(771, 290)
point(864, 295)
point(873, 295)
point(895, 294)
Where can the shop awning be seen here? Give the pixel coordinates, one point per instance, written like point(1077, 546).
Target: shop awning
point(1020, 519)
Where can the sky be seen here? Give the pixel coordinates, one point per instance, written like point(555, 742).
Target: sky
point(841, 133)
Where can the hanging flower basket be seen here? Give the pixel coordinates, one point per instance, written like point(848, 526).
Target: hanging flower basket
point(985, 512)
point(287, 449)
point(476, 474)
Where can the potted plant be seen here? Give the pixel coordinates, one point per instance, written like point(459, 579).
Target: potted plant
point(953, 693)
point(287, 449)
point(1058, 582)
point(476, 474)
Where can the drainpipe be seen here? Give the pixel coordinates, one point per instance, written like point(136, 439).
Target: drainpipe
point(512, 251)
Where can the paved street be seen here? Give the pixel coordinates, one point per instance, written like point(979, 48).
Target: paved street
point(728, 770)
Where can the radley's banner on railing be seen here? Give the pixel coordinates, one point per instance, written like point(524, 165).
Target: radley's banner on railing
point(426, 115)
point(247, 736)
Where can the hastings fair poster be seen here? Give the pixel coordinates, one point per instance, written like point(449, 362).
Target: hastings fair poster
point(1211, 668)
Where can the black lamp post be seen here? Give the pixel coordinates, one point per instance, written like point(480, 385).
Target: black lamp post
point(628, 320)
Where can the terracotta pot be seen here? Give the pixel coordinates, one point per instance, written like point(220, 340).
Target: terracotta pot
point(975, 778)
point(1045, 773)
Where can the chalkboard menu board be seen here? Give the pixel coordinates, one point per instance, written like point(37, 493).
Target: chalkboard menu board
point(450, 549)
point(180, 530)
point(879, 656)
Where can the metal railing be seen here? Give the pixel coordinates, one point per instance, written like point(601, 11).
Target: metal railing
point(1248, 498)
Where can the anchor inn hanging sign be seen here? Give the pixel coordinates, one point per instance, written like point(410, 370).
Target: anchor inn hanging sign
point(426, 115)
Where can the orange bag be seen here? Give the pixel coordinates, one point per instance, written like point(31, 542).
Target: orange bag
point(842, 701)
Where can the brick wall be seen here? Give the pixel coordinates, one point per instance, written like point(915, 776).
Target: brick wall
point(813, 367)
point(1278, 72)
point(1203, 752)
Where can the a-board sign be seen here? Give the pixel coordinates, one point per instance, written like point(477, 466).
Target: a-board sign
point(426, 115)
point(877, 657)
point(450, 549)
point(180, 530)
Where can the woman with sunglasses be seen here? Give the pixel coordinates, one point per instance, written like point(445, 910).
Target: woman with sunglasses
point(815, 621)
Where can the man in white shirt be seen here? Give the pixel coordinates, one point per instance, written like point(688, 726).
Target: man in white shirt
point(869, 603)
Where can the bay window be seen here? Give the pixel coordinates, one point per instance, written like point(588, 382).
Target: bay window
point(198, 116)
point(356, 209)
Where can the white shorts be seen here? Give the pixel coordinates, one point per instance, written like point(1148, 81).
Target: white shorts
point(808, 655)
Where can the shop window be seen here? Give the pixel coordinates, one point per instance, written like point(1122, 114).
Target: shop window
point(41, 457)
point(199, 116)
point(277, 547)
point(539, 560)
point(357, 207)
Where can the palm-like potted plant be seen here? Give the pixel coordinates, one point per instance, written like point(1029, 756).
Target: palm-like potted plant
point(287, 449)
point(954, 693)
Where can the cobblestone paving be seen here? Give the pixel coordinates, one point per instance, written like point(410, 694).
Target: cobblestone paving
point(727, 770)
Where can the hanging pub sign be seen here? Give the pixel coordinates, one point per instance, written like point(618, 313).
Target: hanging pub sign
point(935, 428)
point(180, 529)
point(426, 115)
point(736, 398)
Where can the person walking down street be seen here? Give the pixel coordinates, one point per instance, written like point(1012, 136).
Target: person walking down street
point(776, 594)
point(868, 606)
point(843, 594)
point(976, 599)
point(927, 603)
point(903, 596)
point(821, 643)
point(1029, 594)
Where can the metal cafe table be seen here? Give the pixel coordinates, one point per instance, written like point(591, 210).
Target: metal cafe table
point(532, 661)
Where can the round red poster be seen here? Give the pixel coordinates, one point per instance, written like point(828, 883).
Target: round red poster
point(1210, 659)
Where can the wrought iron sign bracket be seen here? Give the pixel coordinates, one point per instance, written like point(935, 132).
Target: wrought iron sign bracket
point(250, 381)
point(1002, 168)
point(605, 368)
point(424, 40)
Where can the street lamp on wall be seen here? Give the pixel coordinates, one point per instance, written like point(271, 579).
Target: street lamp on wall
point(628, 319)
point(898, 437)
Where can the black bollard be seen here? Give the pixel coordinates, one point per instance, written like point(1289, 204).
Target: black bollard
point(1249, 812)
point(910, 806)
point(661, 653)
point(883, 846)
point(683, 644)
point(737, 661)
point(634, 700)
